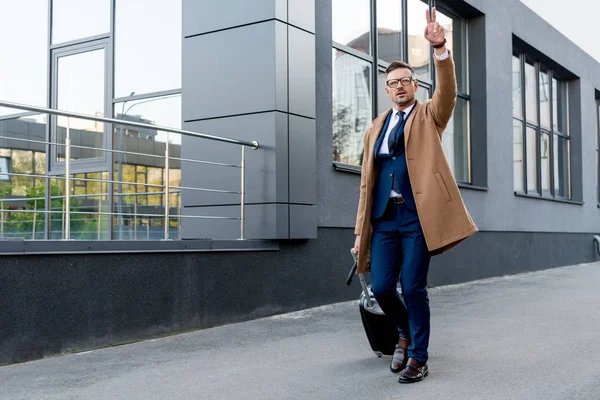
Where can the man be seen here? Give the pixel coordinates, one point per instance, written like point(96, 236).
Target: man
point(410, 207)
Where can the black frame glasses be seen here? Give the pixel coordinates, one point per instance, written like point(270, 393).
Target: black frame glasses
point(393, 83)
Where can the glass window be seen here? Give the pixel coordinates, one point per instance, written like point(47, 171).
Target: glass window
point(518, 156)
point(81, 90)
point(559, 106)
point(531, 160)
point(76, 19)
point(530, 92)
point(351, 24)
point(456, 40)
point(547, 150)
point(147, 59)
point(418, 47)
point(137, 169)
point(516, 87)
point(389, 30)
point(351, 106)
point(545, 161)
point(23, 53)
point(456, 141)
point(561, 167)
point(544, 99)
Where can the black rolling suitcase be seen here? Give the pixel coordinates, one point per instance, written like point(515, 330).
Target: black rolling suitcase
point(381, 332)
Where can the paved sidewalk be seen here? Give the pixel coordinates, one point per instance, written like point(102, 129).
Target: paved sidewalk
point(530, 336)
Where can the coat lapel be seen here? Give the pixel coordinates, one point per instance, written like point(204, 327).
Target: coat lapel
point(409, 123)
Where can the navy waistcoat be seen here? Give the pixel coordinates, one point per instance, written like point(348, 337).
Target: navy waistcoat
point(388, 165)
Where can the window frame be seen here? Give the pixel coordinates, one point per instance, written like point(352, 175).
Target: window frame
point(539, 67)
point(379, 65)
point(598, 148)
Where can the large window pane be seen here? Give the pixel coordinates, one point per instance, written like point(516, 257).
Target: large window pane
point(518, 156)
point(456, 141)
point(561, 167)
point(81, 89)
point(531, 160)
point(389, 30)
point(133, 198)
point(544, 99)
point(147, 59)
point(418, 48)
point(23, 53)
point(351, 24)
point(77, 19)
point(530, 93)
point(456, 40)
point(22, 198)
point(516, 87)
point(351, 106)
point(545, 161)
point(559, 106)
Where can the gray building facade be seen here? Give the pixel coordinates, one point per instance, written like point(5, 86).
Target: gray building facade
point(304, 78)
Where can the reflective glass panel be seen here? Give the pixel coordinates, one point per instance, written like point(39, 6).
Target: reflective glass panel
point(77, 19)
point(23, 53)
point(23, 195)
point(389, 30)
point(351, 24)
point(531, 160)
point(133, 198)
point(561, 167)
point(81, 90)
point(418, 48)
point(351, 106)
point(545, 161)
point(455, 141)
point(147, 59)
point(530, 93)
point(518, 156)
point(516, 88)
point(559, 106)
point(544, 99)
point(456, 39)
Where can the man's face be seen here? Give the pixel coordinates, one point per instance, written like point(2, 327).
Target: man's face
point(401, 95)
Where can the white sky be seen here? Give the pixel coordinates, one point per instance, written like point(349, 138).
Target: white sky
point(576, 19)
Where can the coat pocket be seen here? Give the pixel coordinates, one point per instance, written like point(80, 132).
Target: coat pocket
point(442, 186)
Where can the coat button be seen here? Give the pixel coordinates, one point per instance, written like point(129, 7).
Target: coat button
point(390, 175)
point(393, 158)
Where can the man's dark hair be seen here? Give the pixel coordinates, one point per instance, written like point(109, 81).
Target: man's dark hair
point(399, 64)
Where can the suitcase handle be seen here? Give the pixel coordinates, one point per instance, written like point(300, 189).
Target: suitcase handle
point(361, 278)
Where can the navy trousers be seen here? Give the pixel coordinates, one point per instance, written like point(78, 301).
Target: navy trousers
point(399, 251)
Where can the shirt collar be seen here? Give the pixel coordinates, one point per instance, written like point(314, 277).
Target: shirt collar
point(406, 111)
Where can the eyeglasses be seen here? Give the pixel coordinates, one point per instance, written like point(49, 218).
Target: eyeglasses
point(393, 83)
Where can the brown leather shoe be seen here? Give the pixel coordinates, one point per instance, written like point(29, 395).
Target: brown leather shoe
point(400, 357)
point(414, 372)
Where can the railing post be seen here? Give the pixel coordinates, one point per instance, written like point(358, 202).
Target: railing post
point(34, 219)
point(99, 215)
point(243, 194)
point(67, 201)
point(2, 220)
point(166, 175)
point(135, 220)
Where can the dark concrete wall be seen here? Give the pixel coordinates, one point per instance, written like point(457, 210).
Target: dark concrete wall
point(56, 304)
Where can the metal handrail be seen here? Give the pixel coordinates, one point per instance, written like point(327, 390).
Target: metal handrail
point(42, 110)
point(167, 158)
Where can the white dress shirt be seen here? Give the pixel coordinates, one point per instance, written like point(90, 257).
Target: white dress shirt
point(396, 119)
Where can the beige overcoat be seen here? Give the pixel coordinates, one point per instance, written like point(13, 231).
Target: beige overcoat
point(444, 218)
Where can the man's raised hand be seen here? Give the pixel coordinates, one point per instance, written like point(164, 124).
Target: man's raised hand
point(434, 33)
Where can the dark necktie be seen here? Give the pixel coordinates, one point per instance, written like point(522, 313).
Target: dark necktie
point(393, 138)
point(392, 142)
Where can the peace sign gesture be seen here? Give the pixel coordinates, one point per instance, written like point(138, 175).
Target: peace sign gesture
point(434, 33)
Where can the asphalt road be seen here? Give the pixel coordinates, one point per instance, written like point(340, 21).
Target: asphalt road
point(530, 336)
